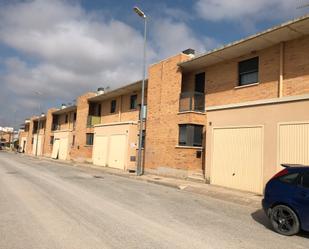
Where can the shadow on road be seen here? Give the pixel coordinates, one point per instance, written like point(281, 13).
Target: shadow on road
point(260, 217)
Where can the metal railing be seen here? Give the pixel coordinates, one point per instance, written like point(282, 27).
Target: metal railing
point(192, 101)
point(55, 127)
point(93, 120)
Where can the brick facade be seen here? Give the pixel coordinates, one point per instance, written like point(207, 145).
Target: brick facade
point(80, 151)
point(163, 156)
point(162, 153)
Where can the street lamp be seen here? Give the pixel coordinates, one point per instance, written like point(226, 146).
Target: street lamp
point(139, 169)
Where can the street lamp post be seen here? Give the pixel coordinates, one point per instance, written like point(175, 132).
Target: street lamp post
point(139, 169)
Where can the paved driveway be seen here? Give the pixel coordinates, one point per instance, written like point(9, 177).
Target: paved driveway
point(48, 205)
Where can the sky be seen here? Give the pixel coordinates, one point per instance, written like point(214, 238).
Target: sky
point(63, 48)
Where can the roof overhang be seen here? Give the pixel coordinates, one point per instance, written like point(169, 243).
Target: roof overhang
point(285, 32)
point(136, 86)
point(39, 118)
point(65, 110)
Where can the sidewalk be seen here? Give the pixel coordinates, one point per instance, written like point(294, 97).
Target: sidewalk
point(221, 193)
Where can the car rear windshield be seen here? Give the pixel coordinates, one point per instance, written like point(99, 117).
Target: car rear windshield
point(290, 178)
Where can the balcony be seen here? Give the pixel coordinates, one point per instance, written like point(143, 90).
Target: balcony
point(55, 127)
point(93, 120)
point(192, 101)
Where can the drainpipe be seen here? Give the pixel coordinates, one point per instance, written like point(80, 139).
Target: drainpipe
point(281, 65)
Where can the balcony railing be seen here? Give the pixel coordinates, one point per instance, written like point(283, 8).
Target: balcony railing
point(55, 127)
point(93, 120)
point(192, 101)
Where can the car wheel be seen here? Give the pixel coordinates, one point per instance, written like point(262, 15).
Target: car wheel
point(284, 220)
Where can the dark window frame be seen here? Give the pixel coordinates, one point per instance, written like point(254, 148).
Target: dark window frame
point(89, 139)
point(248, 67)
point(133, 102)
point(51, 140)
point(113, 106)
point(190, 135)
point(199, 82)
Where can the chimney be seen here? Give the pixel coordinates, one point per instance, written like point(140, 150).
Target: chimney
point(63, 106)
point(189, 51)
point(100, 90)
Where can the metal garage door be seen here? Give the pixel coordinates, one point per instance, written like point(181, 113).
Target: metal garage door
point(294, 143)
point(100, 150)
point(117, 151)
point(237, 155)
point(63, 148)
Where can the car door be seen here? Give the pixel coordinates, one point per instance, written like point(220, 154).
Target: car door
point(302, 198)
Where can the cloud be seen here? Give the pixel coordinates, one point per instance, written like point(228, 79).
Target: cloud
point(172, 37)
point(62, 50)
point(247, 11)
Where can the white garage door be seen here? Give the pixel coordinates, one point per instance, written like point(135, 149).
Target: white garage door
point(294, 143)
point(237, 156)
point(63, 148)
point(37, 141)
point(117, 151)
point(55, 152)
point(100, 150)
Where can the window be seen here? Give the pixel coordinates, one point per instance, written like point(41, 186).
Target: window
point(89, 139)
point(200, 83)
point(133, 102)
point(94, 109)
point(74, 117)
point(290, 178)
point(113, 106)
point(190, 135)
point(66, 118)
point(73, 140)
point(32, 140)
point(248, 71)
point(305, 180)
point(51, 141)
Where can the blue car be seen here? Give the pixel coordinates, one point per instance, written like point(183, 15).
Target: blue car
point(286, 199)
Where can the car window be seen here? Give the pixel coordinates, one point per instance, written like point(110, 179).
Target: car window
point(289, 178)
point(305, 180)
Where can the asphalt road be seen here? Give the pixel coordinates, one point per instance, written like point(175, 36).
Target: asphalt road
point(49, 205)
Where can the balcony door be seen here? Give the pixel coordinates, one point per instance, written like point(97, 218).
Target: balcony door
point(199, 83)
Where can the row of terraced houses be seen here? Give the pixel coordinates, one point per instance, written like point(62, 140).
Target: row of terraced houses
point(230, 116)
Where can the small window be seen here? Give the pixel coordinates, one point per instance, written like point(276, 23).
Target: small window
point(305, 180)
point(74, 117)
point(113, 106)
point(289, 178)
point(73, 140)
point(191, 135)
point(51, 141)
point(66, 118)
point(89, 139)
point(248, 71)
point(133, 102)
